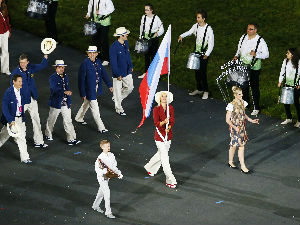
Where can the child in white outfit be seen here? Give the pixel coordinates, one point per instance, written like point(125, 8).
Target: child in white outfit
point(109, 160)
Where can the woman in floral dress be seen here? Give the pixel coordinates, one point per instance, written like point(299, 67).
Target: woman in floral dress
point(236, 119)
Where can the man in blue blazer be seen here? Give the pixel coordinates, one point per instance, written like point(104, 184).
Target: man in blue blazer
point(60, 102)
point(90, 76)
point(13, 117)
point(27, 71)
point(122, 68)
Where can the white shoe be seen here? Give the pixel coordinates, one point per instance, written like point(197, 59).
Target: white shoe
point(255, 112)
point(297, 124)
point(105, 63)
point(98, 209)
point(142, 76)
point(286, 121)
point(8, 73)
point(205, 95)
point(196, 92)
point(111, 216)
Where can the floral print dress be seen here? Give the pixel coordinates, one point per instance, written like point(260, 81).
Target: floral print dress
point(238, 118)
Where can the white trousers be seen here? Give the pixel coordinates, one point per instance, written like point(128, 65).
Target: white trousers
point(122, 88)
point(103, 192)
point(93, 104)
point(33, 110)
point(161, 158)
point(20, 140)
point(67, 122)
point(4, 54)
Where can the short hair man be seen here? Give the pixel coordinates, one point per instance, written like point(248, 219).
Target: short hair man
point(27, 71)
point(252, 48)
point(13, 117)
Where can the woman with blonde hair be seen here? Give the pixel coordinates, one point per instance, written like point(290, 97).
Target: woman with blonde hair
point(236, 119)
point(163, 116)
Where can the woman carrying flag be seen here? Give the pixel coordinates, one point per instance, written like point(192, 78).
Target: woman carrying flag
point(163, 116)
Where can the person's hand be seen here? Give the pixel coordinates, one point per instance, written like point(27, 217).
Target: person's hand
point(84, 98)
point(253, 53)
point(87, 16)
point(166, 121)
point(235, 58)
point(12, 123)
point(68, 92)
point(132, 70)
point(97, 11)
point(279, 84)
point(9, 35)
point(111, 89)
point(205, 57)
point(255, 121)
point(104, 171)
point(155, 35)
point(179, 38)
point(119, 78)
point(298, 87)
point(120, 176)
point(46, 56)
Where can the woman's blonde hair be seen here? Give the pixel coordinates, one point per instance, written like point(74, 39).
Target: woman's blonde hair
point(235, 89)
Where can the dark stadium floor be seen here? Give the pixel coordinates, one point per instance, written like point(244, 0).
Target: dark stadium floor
point(60, 185)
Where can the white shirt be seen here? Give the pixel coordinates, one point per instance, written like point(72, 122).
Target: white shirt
point(290, 71)
point(157, 25)
point(209, 39)
point(19, 102)
point(250, 44)
point(105, 7)
point(229, 107)
point(110, 161)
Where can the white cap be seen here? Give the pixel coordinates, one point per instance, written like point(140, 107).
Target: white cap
point(92, 49)
point(59, 62)
point(48, 45)
point(159, 94)
point(121, 31)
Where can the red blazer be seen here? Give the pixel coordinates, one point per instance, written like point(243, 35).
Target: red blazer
point(4, 24)
point(159, 115)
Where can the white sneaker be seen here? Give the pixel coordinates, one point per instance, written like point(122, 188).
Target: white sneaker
point(205, 95)
point(111, 216)
point(98, 209)
point(255, 112)
point(8, 73)
point(286, 121)
point(105, 63)
point(196, 92)
point(297, 124)
point(142, 76)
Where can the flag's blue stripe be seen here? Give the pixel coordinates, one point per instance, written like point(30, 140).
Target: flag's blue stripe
point(152, 69)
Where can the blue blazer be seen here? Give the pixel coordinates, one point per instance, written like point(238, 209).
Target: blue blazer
point(87, 79)
point(29, 87)
point(9, 106)
point(57, 91)
point(120, 59)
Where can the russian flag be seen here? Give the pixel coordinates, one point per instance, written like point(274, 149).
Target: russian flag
point(159, 66)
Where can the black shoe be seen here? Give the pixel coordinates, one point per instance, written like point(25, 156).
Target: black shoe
point(232, 166)
point(249, 172)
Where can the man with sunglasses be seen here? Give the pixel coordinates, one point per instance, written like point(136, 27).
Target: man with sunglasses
point(252, 48)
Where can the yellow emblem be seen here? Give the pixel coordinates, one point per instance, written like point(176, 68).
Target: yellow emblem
point(32, 75)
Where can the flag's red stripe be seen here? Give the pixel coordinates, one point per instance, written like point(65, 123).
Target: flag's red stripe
point(165, 67)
